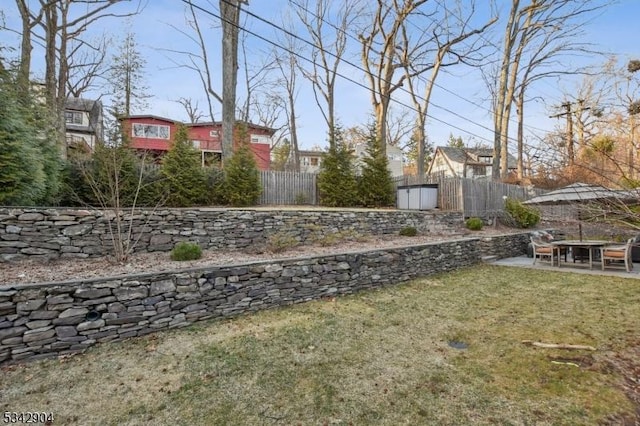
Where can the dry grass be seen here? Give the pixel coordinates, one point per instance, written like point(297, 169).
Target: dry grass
point(378, 357)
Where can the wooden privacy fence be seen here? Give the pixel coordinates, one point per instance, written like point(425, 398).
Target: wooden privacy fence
point(288, 188)
point(474, 197)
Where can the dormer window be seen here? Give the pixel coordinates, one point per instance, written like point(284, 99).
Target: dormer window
point(485, 159)
point(73, 117)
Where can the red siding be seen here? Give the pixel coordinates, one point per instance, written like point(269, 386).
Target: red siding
point(197, 132)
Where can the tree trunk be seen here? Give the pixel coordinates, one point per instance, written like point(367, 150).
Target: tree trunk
point(24, 68)
point(501, 90)
point(230, 11)
point(520, 114)
point(295, 152)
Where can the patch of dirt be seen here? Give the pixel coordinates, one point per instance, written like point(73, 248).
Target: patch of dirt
point(627, 364)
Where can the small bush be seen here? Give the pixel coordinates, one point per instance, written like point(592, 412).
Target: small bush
point(408, 231)
point(524, 216)
point(281, 241)
point(474, 223)
point(186, 251)
point(301, 198)
point(333, 238)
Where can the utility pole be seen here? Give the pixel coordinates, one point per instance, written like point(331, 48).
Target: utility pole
point(568, 113)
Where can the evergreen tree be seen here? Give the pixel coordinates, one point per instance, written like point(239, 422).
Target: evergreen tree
point(126, 78)
point(375, 185)
point(185, 180)
point(29, 163)
point(336, 180)
point(242, 179)
point(455, 142)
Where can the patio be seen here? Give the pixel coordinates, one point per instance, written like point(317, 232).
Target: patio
point(578, 268)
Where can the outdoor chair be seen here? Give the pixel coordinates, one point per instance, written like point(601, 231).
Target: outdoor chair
point(621, 253)
point(542, 250)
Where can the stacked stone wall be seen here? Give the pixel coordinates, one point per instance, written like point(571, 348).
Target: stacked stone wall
point(49, 319)
point(65, 233)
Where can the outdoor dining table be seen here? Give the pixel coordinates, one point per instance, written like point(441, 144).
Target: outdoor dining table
point(589, 245)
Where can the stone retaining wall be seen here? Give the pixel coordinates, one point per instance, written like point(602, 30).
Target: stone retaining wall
point(52, 233)
point(44, 320)
point(503, 246)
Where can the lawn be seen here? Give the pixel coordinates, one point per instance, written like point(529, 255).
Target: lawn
point(379, 357)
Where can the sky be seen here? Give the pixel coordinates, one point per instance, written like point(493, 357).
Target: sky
point(459, 105)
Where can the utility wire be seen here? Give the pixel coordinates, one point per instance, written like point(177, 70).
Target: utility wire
point(420, 77)
point(290, 34)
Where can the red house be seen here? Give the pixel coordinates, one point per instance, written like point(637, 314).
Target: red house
point(155, 134)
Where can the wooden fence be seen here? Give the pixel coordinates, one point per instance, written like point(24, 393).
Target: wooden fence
point(474, 197)
point(288, 188)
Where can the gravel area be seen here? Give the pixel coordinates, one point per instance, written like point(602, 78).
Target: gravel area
point(32, 271)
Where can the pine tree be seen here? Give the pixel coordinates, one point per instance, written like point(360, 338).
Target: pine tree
point(126, 79)
point(375, 185)
point(242, 179)
point(336, 180)
point(29, 173)
point(185, 180)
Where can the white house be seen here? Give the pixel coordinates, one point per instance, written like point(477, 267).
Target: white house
point(472, 163)
point(83, 123)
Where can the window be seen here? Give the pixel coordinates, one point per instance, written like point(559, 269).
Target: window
point(479, 170)
point(305, 161)
point(214, 133)
point(485, 159)
point(152, 131)
point(314, 161)
point(260, 139)
point(73, 117)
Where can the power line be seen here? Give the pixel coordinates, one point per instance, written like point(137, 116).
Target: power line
point(298, 55)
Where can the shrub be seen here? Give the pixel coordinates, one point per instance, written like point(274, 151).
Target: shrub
point(409, 231)
point(375, 185)
point(336, 180)
point(185, 180)
point(186, 251)
point(242, 179)
point(524, 216)
point(281, 241)
point(474, 223)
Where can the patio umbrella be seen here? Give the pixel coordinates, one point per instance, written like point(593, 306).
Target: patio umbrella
point(575, 193)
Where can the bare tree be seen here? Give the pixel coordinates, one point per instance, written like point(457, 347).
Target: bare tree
point(529, 26)
point(29, 21)
point(288, 69)
point(199, 61)
point(327, 23)
point(61, 28)
point(448, 38)
point(191, 108)
point(87, 68)
point(382, 56)
point(257, 75)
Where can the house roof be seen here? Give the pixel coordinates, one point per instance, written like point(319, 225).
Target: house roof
point(466, 155)
point(200, 124)
point(80, 104)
